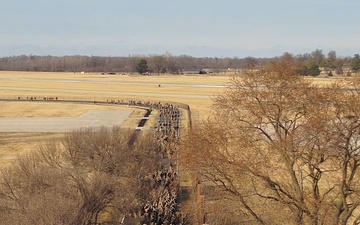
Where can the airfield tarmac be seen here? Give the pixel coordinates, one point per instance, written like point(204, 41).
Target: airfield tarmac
point(91, 118)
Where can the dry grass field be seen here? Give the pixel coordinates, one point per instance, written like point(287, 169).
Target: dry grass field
point(14, 144)
point(91, 87)
point(195, 91)
point(192, 90)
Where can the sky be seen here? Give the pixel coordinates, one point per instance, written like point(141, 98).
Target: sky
point(199, 28)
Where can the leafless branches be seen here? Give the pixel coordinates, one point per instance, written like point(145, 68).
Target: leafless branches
point(279, 143)
point(92, 176)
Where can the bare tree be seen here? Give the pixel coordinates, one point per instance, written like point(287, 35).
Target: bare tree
point(318, 56)
point(249, 63)
point(331, 56)
point(158, 64)
point(278, 143)
point(93, 176)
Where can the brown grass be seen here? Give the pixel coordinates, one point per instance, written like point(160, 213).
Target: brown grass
point(14, 144)
point(96, 87)
point(54, 109)
point(149, 91)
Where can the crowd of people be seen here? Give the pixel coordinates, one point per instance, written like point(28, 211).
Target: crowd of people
point(167, 130)
point(164, 208)
point(33, 98)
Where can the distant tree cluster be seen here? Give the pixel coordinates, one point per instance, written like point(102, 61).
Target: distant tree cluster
point(132, 64)
point(308, 64)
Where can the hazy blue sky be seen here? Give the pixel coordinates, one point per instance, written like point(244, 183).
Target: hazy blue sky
point(213, 28)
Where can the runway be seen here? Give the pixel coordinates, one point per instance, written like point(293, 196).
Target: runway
point(92, 118)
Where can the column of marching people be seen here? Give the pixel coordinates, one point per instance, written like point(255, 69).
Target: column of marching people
point(165, 209)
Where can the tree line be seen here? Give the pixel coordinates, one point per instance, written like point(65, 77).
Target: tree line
point(308, 64)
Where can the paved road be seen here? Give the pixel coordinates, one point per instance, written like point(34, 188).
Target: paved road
point(92, 118)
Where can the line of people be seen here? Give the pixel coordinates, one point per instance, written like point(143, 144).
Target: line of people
point(33, 98)
point(164, 208)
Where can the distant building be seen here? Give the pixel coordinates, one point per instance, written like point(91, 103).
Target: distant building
point(192, 71)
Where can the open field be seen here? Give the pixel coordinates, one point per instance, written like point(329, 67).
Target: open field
point(53, 109)
point(14, 144)
point(41, 115)
point(195, 91)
